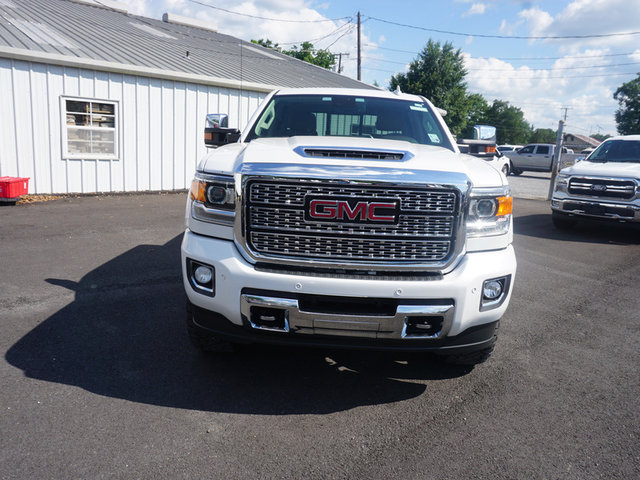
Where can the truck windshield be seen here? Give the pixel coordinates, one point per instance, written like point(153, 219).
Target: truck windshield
point(617, 151)
point(349, 116)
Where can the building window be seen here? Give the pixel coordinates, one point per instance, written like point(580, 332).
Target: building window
point(90, 129)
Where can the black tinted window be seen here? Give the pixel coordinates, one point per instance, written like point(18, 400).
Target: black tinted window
point(349, 116)
point(617, 151)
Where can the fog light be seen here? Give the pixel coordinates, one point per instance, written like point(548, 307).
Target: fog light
point(203, 275)
point(492, 289)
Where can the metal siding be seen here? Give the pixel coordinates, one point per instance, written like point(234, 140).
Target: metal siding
point(167, 130)
point(202, 108)
point(40, 128)
point(8, 135)
point(57, 167)
point(129, 134)
point(178, 136)
point(190, 126)
point(160, 128)
point(24, 138)
point(143, 130)
point(102, 167)
point(155, 135)
point(116, 89)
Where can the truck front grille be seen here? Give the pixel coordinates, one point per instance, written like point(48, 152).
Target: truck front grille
point(276, 224)
point(601, 187)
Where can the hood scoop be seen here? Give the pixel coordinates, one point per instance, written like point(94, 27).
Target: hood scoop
point(353, 153)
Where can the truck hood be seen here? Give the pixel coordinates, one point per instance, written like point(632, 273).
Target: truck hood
point(286, 157)
point(608, 169)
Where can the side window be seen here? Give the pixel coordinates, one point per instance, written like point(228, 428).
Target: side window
point(543, 150)
point(89, 129)
point(527, 149)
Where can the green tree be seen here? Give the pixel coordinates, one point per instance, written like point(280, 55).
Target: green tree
point(600, 136)
point(628, 115)
point(266, 43)
point(438, 74)
point(304, 52)
point(509, 121)
point(477, 108)
point(543, 135)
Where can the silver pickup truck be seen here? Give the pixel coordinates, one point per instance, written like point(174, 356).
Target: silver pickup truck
point(535, 157)
point(605, 185)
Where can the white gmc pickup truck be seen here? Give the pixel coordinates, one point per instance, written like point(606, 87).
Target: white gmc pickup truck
point(347, 218)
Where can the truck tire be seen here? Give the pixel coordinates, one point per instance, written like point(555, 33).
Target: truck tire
point(505, 169)
point(562, 221)
point(515, 171)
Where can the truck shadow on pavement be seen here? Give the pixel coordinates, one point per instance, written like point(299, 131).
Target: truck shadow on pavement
point(585, 231)
point(124, 336)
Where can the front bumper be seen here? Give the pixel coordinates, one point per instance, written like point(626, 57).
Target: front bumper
point(455, 298)
point(596, 208)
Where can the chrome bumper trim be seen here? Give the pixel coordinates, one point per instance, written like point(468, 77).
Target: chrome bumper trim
point(349, 325)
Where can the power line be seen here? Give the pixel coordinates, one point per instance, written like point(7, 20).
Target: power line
point(319, 38)
point(510, 70)
point(530, 77)
point(504, 37)
point(267, 18)
point(553, 69)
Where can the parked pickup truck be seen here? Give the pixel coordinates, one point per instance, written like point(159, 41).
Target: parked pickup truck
point(535, 157)
point(347, 218)
point(606, 185)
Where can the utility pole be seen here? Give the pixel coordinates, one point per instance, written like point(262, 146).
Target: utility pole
point(340, 60)
point(359, 56)
point(556, 159)
point(565, 112)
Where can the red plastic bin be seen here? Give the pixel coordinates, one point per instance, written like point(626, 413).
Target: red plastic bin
point(13, 187)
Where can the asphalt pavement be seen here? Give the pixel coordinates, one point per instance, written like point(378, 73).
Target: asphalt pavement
point(98, 379)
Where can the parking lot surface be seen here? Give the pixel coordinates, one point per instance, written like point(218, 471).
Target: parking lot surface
point(98, 379)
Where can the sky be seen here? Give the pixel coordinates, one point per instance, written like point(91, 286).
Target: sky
point(550, 58)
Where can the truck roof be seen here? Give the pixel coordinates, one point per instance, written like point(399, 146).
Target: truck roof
point(350, 91)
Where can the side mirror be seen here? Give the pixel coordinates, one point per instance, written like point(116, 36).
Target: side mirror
point(217, 131)
point(484, 132)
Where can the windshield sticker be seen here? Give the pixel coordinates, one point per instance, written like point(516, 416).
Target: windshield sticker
point(418, 108)
point(434, 138)
point(326, 99)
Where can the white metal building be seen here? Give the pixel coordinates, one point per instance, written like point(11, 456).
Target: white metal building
point(97, 100)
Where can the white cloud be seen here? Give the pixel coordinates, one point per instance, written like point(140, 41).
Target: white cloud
point(476, 9)
point(588, 17)
point(541, 93)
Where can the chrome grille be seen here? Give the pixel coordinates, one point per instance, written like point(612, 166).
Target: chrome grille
point(439, 201)
point(344, 248)
point(602, 187)
point(408, 225)
point(276, 225)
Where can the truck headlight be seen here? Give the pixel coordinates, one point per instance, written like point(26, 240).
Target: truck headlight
point(489, 212)
point(562, 183)
point(213, 198)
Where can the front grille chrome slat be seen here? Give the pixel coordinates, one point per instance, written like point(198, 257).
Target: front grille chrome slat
point(276, 226)
point(602, 187)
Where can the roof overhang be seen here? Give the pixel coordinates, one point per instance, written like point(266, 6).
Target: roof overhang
point(136, 70)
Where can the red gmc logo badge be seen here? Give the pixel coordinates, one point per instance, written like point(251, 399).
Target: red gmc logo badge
point(352, 210)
